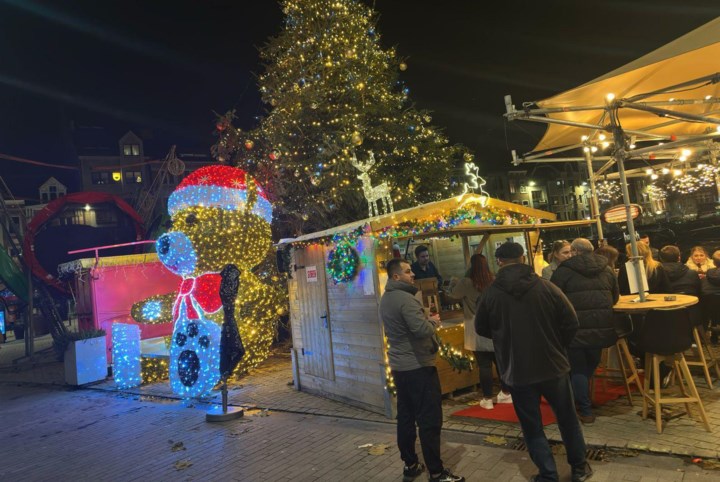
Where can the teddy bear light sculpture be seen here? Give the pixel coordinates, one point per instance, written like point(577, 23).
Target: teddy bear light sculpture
point(220, 217)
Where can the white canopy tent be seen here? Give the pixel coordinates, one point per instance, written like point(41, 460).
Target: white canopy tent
point(670, 96)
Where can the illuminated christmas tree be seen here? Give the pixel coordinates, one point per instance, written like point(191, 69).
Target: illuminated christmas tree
point(333, 92)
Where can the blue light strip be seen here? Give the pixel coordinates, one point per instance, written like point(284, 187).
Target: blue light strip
point(222, 197)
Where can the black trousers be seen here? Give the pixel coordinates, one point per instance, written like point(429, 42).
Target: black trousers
point(419, 402)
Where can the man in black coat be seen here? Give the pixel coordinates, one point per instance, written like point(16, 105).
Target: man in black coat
point(683, 280)
point(592, 288)
point(531, 322)
point(709, 292)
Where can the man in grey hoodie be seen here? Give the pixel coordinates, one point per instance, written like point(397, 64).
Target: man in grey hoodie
point(411, 352)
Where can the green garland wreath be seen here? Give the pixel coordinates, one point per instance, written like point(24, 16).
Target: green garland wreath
point(343, 262)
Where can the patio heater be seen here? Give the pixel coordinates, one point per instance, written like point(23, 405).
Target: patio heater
point(620, 155)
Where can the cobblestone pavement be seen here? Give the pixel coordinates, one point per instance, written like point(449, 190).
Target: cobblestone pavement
point(618, 425)
point(52, 433)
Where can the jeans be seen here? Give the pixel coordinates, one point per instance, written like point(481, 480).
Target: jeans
point(485, 360)
point(558, 393)
point(583, 363)
point(419, 401)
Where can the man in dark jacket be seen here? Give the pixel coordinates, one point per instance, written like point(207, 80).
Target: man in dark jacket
point(531, 323)
point(709, 292)
point(423, 267)
point(683, 280)
point(411, 353)
point(592, 288)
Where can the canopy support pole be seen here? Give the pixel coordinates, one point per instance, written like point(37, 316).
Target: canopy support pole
point(594, 199)
point(619, 138)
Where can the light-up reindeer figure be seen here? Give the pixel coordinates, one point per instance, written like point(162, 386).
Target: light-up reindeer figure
point(372, 194)
point(476, 182)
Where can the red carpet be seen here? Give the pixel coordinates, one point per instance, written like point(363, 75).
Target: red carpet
point(504, 412)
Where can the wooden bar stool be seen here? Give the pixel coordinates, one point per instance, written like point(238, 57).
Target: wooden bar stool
point(703, 354)
point(666, 335)
point(626, 369)
point(626, 363)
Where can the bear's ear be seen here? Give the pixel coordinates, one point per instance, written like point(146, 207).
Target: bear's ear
point(251, 192)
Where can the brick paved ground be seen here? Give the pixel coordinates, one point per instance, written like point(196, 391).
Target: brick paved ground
point(618, 426)
point(50, 433)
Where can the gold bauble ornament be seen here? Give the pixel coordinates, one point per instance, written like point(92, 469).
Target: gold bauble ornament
point(468, 157)
point(403, 66)
point(356, 138)
point(414, 149)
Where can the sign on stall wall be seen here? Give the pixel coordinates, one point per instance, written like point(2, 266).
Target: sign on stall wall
point(311, 274)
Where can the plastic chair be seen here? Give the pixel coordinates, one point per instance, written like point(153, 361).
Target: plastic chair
point(665, 335)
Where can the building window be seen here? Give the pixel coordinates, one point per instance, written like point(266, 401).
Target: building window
point(133, 177)
point(53, 192)
point(131, 149)
point(100, 177)
point(44, 197)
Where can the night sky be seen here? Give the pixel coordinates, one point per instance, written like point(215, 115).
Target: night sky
point(162, 68)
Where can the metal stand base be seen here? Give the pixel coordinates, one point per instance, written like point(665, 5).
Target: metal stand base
point(223, 413)
point(220, 414)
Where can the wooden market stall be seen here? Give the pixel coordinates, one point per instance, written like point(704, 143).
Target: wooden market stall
point(338, 342)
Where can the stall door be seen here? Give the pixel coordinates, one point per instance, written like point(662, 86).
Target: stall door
point(315, 327)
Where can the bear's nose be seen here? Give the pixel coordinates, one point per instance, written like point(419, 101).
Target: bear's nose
point(163, 244)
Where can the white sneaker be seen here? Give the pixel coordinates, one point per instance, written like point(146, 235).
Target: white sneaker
point(486, 403)
point(503, 397)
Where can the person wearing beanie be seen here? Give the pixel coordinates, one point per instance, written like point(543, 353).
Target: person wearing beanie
point(531, 322)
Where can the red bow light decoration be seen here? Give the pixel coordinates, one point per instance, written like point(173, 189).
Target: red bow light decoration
point(203, 290)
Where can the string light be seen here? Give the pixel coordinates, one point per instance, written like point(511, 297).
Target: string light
point(331, 88)
point(343, 263)
point(707, 174)
point(655, 192)
point(471, 214)
point(684, 184)
point(607, 191)
point(126, 355)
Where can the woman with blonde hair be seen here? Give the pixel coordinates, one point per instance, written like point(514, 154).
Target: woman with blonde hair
point(477, 278)
point(699, 261)
point(560, 252)
point(657, 278)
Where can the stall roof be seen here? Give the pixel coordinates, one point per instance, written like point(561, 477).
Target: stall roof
point(690, 57)
point(441, 208)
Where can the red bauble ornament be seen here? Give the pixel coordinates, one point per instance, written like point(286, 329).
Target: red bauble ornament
point(673, 137)
point(221, 126)
point(652, 156)
point(249, 144)
point(274, 155)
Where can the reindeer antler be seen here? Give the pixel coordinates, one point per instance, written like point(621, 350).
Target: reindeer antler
point(360, 166)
